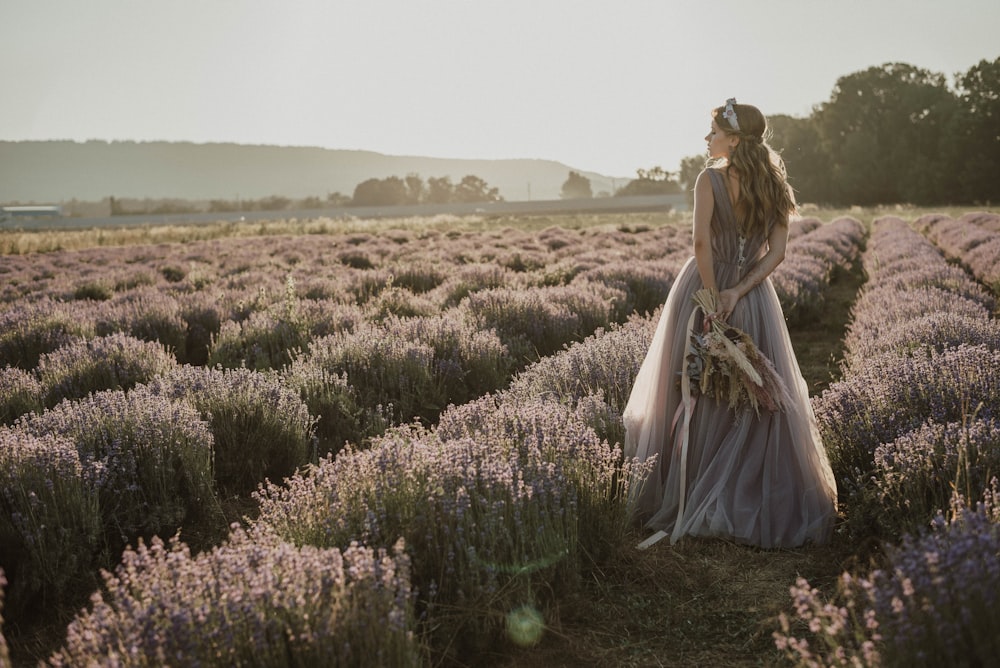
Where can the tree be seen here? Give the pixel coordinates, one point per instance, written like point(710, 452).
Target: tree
point(440, 190)
point(974, 138)
point(655, 181)
point(390, 191)
point(882, 130)
point(474, 189)
point(797, 141)
point(414, 189)
point(576, 186)
point(691, 167)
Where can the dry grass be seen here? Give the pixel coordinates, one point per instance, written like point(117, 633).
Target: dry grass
point(701, 602)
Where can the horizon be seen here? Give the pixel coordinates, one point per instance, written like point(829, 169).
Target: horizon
point(601, 89)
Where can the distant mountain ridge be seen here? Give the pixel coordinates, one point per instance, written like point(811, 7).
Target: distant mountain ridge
point(60, 170)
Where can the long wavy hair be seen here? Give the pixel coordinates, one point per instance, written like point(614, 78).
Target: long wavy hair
point(765, 197)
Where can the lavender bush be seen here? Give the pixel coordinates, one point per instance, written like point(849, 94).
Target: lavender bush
point(384, 369)
point(147, 314)
point(492, 506)
point(811, 260)
point(151, 459)
point(975, 246)
point(605, 365)
point(50, 527)
point(935, 605)
point(466, 279)
point(884, 397)
point(113, 362)
point(645, 283)
point(333, 402)
point(254, 600)
point(20, 393)
point(31, 329)
point(261, 427)
point(916, 474)
point(536, 322)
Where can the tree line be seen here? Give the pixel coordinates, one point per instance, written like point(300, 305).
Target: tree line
point(894, 134)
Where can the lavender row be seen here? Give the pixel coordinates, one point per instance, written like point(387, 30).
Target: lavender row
point(499, 505)
point(254, 600)
point(88, 476)
point(921, 349)
point(915, 419)
point(811, 260)
point(972, 240)
point(934, 604)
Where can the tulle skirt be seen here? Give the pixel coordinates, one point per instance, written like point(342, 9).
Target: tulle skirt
point(763, 480)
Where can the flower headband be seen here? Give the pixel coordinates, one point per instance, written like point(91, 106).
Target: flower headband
point(730, 114)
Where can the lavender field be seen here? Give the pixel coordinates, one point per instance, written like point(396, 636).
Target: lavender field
point(401, 445)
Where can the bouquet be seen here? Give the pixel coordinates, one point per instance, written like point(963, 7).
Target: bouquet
point(723, 362)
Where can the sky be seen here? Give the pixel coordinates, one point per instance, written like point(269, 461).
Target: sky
point(609, 86)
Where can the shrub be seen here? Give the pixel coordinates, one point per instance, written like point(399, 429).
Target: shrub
point(384, 369)
point(253, 600)
point(399, 302)
point(468, 362)
point(489, 527)
point(149, 315)
point(596, 473)
point(646, 283)
point(29, 330)
point(536, 322)
point(916, 474)
point(113, 362)
point(604, 364)
point(467, 279)
point(96, 290)
point(418, 277)
point(262, 429)
point(333, 402)
point(934, 605)
point(263, 341)
point(50, 527)
point(886, 396)
point(152, 459)
point(20, 393)
point(203, 316)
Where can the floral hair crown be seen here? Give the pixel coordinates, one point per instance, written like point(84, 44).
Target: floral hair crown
point(730, 114)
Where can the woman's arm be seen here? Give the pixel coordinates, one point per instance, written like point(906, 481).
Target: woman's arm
point(777, 240)
point(704, 204)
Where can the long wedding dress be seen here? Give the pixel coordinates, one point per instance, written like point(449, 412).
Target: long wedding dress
point(763, 480)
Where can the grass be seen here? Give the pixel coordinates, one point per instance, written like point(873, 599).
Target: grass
point(699, 603)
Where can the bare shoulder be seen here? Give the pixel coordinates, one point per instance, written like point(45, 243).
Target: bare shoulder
point(704, 179)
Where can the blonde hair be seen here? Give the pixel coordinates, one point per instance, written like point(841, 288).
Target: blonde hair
point(765, 198)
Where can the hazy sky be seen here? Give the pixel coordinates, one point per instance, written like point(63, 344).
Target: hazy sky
point(604, 86)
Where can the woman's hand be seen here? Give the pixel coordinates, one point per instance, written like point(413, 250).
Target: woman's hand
point(727, 302)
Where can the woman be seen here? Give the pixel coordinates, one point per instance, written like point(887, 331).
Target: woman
point(758, 478)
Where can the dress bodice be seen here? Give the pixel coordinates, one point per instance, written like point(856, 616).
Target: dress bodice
point(729, 246)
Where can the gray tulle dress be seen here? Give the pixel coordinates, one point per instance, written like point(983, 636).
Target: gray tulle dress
point(762, 480)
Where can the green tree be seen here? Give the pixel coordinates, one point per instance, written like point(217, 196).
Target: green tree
point(474, 189)
point(576, 186)
point(655, 181)
point(415, 190)
point(440, 190)
point(798, 142)
point(882, 130)
point(390, 191)
point(691, 167)
point(974, 146)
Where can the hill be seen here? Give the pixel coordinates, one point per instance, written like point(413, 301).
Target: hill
point(59, 171)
